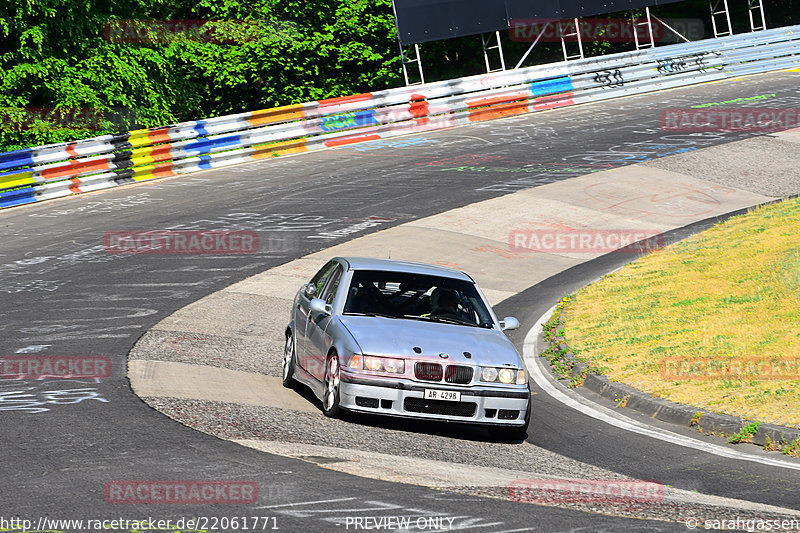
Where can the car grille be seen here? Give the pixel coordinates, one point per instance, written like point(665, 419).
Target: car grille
point(458, 374)
point(439, 407)
point(428, 371)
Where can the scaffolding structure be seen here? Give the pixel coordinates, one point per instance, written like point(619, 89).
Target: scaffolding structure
point(569, 33)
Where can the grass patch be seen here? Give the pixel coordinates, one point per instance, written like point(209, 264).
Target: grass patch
point(745, 434)
point(561, 366)
point(792, 449)
point(770, 445)
point(729, 294)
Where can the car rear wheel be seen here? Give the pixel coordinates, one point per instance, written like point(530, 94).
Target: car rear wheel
point(330, 383)
point(288, 361)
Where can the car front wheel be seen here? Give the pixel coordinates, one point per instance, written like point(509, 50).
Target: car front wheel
point(288, 361)
point(330, 392)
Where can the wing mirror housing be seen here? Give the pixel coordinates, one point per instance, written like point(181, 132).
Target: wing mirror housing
point(508, 323)
point(318, 305)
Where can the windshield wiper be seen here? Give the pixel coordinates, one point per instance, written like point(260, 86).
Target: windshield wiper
point(383, 315)
point(418, 317)
point(446, 319)
point(450, 320)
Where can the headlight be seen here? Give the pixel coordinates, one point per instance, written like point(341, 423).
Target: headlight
point(355, 362)
point(395, 366)
point(506, 375)
point(373, 363)
point(488, 373)
point(382, 364)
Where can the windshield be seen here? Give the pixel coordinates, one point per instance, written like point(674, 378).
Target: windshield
point(416, 297)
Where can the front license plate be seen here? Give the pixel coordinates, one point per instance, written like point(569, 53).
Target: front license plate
point(447, 395)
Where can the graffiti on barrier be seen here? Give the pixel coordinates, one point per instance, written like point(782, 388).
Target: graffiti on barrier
point(609, 79)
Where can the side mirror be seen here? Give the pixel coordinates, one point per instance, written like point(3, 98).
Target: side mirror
point(318, 305)
point(310, 290)
point(508, 322)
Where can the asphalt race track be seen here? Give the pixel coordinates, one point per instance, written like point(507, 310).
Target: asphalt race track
point(62, 293)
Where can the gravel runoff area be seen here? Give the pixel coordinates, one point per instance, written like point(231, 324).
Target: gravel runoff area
point(242, 422)
point(248, 334)
point(237, 421)
point(244, 354)
point(680, 512)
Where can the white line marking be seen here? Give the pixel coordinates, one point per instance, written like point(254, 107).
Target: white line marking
point(341, 513)
point(579, 403)
point(34, 348)
point(300, 512)
point(168, 284)
point(304, 503)
point(471, 522)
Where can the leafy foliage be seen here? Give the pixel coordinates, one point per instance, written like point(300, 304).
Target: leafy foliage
point(745, 434)
point(55, 54)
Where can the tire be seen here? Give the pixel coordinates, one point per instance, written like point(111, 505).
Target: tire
point(288, 362)
point(330, 388)
point(512, 433)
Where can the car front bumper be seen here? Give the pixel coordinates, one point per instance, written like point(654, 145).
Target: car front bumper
point(490, 406)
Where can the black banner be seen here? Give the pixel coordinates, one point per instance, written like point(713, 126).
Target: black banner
point(420, 21)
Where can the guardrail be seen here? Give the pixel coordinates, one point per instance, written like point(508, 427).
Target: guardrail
point(45, 172)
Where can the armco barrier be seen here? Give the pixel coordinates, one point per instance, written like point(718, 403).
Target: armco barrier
point(45, 172)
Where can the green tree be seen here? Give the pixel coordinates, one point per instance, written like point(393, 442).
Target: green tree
point(54, 54)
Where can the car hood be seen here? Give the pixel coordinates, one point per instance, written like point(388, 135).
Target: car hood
point(398, 337)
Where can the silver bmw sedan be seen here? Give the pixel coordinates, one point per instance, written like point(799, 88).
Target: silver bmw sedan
point(409, 340)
